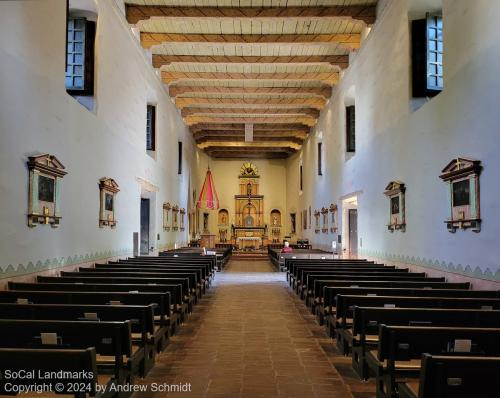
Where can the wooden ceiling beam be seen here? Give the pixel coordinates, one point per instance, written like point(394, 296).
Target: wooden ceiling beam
point(177, 89)
point(317, 103)
point(260, 111)
point(270, 148)
point(305, 120)
point(278, 145)
point(349, 41)
point(329, 78)
point(256, 133)
point(342, 61)
point(365, 13)
point(256, 127)
point(248, 155)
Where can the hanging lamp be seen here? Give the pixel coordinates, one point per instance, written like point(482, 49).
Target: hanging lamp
point(208, 198)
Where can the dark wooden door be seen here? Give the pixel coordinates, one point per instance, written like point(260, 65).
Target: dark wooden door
point(144, 226)
point(353, 231)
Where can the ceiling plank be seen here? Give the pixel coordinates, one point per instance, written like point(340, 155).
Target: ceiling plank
point(253, 144)
point(342, 61)
point(316, 103)
point(177, 89)
point(256, 127)
point(365, 13)
point(261, 111)
point(305, 120)
point(329, 78)
point(248, 155)
point(350, 41)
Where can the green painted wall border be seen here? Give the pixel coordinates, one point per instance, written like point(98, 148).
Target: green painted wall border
point(40, 266)
point(467, 270)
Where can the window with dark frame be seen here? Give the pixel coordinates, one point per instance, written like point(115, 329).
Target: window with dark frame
point(179, 158)
point(80, 40)
point(427, 56)
point(320, 158)
point(150, 128)
point(350, 116)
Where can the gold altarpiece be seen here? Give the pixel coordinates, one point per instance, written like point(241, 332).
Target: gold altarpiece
point(249, 230)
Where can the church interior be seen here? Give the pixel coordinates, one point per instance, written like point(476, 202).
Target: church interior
point(249, 198)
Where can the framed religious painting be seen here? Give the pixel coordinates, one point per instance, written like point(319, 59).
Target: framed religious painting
point(108, 188)
point(395, 191)
point(462, 178)
point(333, 217)
point(324, 220)
point(44, 191)
point(166, 216)
point(175, 218)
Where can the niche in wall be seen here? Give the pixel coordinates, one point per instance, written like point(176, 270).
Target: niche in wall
point(395, 191)
point(293, 223)
point(223, 222)
point(462, 178)
point(108, 188)
point(45, 174)
point(166, 216)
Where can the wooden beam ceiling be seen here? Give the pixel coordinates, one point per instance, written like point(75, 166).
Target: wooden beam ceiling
point(149, 39)
point(342, 61)
point(323, 90)
point(316, 103)
point(330, 78)
point(305, 120)
point(136, 13)
point(273, 67)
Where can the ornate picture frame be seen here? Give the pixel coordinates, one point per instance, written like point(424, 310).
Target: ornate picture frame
point(462, 177)
point(182, 214)
point(395, 191)
point(166, 216)
point(108, 188)
point(44, 192)
point(333, 217)
point(324, 217)
point(316, 221)
point(175, 218)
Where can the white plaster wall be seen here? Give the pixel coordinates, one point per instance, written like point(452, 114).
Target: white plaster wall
point(395, 143)
point(272, 184)
point(37, 115)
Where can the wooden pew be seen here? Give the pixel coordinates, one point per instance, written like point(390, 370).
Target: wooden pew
point(141, 319)
point(346, 305)
point(363, 335)
point(112, 342)
point(400, 349)
point(330, 291)
point(195, 292)
point(454, 377)
point(325, 309)
point(80, 362)
point(175, 286)
point(159, 300)
point(183, 281)
point(311, 277)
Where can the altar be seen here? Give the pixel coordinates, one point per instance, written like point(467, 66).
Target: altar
point(247, 242)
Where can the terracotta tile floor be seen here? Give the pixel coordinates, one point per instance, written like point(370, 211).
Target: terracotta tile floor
point(252, 337)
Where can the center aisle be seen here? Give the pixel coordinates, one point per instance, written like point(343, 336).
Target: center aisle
point(252, 337)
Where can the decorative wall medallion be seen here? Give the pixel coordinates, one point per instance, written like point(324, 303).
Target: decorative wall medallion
point(333, 217)
point(108, 188)
point(166, 216)
point(45, 174)
point(175, 218)
point(462, 177)
point(395, 191)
